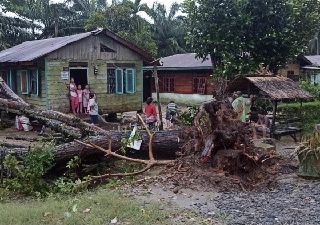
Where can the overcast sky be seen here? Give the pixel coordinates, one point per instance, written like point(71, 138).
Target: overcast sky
point(149, 2)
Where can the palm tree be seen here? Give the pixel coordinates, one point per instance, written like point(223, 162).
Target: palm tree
point(13, 31)
point(168, 29)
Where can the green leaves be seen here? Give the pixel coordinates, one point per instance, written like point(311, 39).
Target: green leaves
point(241, 34)
point(27, 176)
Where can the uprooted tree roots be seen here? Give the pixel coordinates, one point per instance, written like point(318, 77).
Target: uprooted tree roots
point(221, 140)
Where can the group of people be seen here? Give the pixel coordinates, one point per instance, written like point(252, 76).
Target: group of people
point(83, 101)
point(150, 112)
point(246, 112)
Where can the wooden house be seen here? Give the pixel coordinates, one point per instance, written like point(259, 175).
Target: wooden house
point(182, 78)
point(39, 71)
point(310, 68)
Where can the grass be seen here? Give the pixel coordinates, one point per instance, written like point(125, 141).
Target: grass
point(98, 207)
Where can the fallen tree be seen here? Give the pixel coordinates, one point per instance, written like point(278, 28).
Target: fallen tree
point(164, 142)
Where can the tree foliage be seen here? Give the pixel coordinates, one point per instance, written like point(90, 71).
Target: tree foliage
point(168, 29)
point(36, 19)
point(13, 31)
point(240, 34)
point(123, 19)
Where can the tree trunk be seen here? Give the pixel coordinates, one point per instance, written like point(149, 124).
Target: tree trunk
point(164, 143)
point(66, 124)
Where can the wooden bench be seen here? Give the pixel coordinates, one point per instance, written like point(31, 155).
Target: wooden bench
point(287, 126)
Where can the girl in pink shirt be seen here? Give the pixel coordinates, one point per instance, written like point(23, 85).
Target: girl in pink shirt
point(73, 96)
point(80, 106)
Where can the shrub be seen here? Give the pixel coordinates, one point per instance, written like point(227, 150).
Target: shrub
point(314, 89)
point(310, 113)
point(26, 176)
point(188, 116)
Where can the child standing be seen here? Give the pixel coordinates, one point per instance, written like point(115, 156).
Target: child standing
point(80, 106)
point(93, 108)
point(171, 114)
point(85, 97)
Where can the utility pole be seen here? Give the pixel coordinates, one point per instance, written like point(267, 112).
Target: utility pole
point(156, 82)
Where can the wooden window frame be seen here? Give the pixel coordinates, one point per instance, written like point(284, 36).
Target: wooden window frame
point(167, 88)
point(29, 74)
point(133, 81)
point(195, 90)
point(124, 80)
point(290, 73)
point(117, 80)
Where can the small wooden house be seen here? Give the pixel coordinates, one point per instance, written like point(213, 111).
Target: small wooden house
point(182, 78)
point(39, 71)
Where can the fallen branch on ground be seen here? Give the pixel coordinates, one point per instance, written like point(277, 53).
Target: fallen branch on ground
point(149, 163)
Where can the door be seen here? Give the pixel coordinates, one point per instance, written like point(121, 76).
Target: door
point(80, 76)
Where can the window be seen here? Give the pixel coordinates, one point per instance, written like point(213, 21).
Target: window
point(24, 81)
point(29, 82)
point(199, 85)
point(4, 76)
point(167, 84)
point(111, 88)
point(121, 80)
point(104, 48)
point(130, 81)
point(33, 82)
point(290, 73)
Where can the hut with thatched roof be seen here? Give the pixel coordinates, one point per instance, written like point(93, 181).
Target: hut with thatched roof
point(274, 88)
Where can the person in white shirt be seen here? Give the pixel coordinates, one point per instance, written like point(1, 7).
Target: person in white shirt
point(93, 108)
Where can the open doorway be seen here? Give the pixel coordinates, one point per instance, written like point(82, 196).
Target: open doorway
point(80, 76)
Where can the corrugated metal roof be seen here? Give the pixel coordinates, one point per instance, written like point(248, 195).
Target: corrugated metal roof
point(187, 61)
point(313, 59)
point(30, 50)
point(277, 88)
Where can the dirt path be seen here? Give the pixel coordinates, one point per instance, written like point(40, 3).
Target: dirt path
point(292, 200)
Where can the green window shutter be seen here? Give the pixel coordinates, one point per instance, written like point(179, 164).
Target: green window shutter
point(119, 81)
point(130, 81)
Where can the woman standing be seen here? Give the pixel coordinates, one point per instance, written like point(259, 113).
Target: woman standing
point(73, 95)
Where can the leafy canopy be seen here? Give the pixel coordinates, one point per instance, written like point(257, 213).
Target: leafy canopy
point(241, 34)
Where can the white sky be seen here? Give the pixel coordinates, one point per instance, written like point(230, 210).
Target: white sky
point(167, 3)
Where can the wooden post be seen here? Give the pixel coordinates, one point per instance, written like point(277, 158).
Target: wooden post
point(275, 103)
point(156, 79)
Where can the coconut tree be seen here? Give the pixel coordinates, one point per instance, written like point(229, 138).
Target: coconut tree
point(168, 29)
point(13, 31)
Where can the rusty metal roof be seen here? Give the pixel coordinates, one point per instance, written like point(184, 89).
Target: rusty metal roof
point(275, 87)
point(31, 50)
